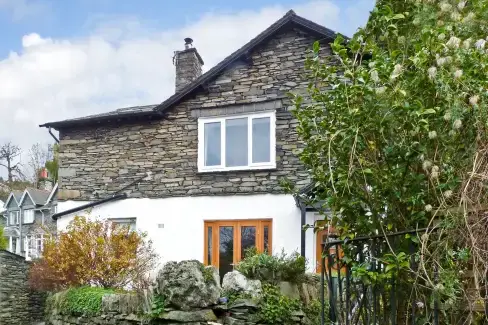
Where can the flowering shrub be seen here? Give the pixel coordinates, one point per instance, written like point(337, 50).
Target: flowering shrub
point(94, 253)
point(396, 135)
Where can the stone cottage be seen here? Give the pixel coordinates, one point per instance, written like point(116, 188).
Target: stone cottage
point(200, 172)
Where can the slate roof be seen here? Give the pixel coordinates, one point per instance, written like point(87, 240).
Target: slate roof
point(157, 111)
point(39, 197)
point(115, 114)
point(16, 195)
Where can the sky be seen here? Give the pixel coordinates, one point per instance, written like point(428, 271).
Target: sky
point(69, 58)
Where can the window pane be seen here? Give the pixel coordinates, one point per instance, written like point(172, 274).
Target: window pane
point(226, 250)
point(212, 144)
point(261, 140)
point(209, 246)
point(248, 239)
point(236, 142)
point(266, 239)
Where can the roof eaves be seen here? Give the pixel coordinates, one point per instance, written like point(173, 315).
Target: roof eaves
point(26, 191)
point(98, 119)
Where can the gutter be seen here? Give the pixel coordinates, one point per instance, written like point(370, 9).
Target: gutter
point(90, 205)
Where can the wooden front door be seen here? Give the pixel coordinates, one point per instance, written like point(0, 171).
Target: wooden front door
point(226, 241)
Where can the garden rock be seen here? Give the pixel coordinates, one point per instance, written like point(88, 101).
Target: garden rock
point(289, 290)
point(236, 282)
point(203, 315)
point(188, 284)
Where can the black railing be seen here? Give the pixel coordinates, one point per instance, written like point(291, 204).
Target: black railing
point(368, 282)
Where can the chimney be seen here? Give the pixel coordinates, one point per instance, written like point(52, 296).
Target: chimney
point(188, 65)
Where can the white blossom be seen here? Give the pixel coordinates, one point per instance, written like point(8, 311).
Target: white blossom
point(420, 304)
point(380, 90)
point(461, 5)
point(469, 17)
point(480, 44)
point(432, 134)
point(458, 74)
point(434, 172)
point(453, 42)
point(457, 124)
point(396, 71)
point(371, 64)
point(467, 43)
point(445, 6)
point(447, 194)
point(473, 100)
point(432, 71)
point(441, 36)
point(443, 60)
point(447, 116)
point(374, 76)
point(456, 16)
point(426, 165)
point(428, 207)
point(416, 21)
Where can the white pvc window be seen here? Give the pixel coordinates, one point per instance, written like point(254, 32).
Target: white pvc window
point(29, 216)
point(14, 217)
point(237, 142)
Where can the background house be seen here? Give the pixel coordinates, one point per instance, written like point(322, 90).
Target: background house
point(200, 172)
point(29, 220)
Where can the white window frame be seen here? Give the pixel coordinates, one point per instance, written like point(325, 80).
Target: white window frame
point(131, 222)
point(221, 119)
point(13, 218)
point(30, 211)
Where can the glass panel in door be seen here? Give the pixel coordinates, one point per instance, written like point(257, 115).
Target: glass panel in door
point(226, 250)
point(248, 239)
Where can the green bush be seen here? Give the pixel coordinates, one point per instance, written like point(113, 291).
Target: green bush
point(313, 312)
point(83, 301)
point(276, 308)
point(3, 240)
point(157, 307)
point(273, 268)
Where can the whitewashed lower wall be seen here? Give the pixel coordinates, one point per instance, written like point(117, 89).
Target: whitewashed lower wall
point(175, 225)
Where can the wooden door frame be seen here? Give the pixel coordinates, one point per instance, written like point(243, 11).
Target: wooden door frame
point(236, 224)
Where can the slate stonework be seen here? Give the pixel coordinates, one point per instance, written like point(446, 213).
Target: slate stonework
point(19, 305)
point(96, 161)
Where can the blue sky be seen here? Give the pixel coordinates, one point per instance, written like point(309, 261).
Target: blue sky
point(76, 18)
point(67, 58)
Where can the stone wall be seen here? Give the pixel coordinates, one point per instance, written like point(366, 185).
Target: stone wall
point(100, 160)
point(192, 296)
point(18, 304)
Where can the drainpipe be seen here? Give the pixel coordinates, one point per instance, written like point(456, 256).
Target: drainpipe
point(303, 212)
point(21, 215)
point(54, 137)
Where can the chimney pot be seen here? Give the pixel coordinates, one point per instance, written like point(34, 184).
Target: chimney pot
point(188, 43)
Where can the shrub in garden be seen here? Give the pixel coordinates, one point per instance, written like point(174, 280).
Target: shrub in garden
point(94, 253)
point(273, 268)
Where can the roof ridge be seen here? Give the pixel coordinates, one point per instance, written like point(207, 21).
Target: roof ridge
point(290, 16)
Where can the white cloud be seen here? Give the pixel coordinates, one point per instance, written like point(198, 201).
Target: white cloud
point(122, 63)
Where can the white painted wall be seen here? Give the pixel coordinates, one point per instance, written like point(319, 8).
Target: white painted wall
point(182, 218)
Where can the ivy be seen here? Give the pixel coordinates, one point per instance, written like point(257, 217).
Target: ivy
point(276, 308)
point(157, 307)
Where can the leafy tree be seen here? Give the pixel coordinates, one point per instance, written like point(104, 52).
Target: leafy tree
point(396, 133)
point(3, 240)
point(94, 253)
point(52, 165)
